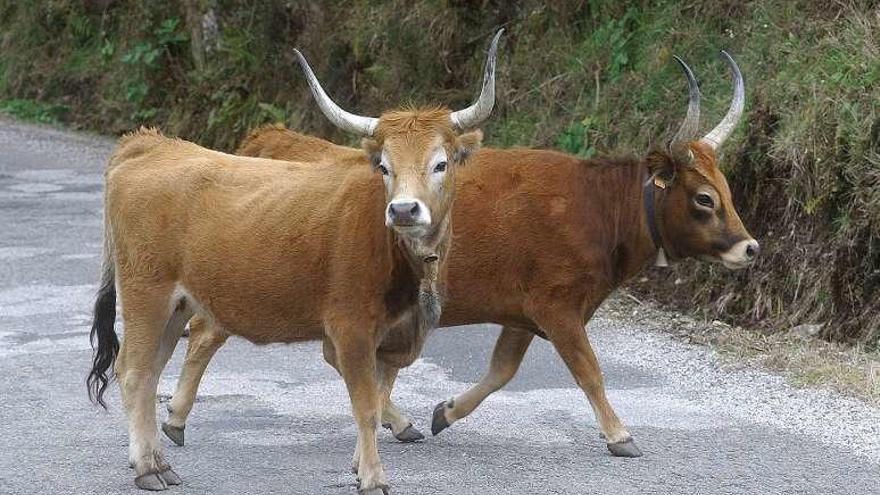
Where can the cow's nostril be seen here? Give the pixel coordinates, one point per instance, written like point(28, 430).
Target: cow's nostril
point(752, 250)
point(404, 211)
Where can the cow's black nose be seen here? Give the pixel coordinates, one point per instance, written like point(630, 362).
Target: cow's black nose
point(403, 212)
point(752, 250)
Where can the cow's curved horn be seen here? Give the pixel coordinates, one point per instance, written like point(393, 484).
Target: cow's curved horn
point(357, 124)
point(721, 132)
point(481, 109)
point(691, 123)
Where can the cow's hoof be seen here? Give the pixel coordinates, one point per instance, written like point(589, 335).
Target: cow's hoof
point(409, 435)
point(151, 482)
point(176, 434)
point(379, 490)
point(626, 448)
point(170, 477)
point(438, 422)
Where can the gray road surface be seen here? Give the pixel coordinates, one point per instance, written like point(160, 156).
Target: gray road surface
point(276, 419)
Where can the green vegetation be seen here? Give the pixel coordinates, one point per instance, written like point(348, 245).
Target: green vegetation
point(586, 76)
point(32, 110)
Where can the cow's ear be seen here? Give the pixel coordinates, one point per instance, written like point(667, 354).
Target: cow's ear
point(373, 150)
point(468, 144)
point(662, 166)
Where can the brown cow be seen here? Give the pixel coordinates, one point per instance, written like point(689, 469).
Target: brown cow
point(580, 228)
point(279, 252)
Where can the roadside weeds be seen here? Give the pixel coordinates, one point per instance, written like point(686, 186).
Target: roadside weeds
point(803, 360)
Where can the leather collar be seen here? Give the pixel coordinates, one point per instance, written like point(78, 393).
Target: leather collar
point(648, 193)
point(650, 211)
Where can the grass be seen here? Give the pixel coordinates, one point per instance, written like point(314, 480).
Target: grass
point(33, 111)
point(587, 77)
point(851, 370)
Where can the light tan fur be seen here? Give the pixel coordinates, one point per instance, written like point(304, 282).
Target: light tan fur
point(275, 251)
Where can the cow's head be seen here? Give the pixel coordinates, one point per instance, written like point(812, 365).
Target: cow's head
point(697, 212)
point(416, 151)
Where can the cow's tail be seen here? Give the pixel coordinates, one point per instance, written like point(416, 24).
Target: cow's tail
point(103, 336)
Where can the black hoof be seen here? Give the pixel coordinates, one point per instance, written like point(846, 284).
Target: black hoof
point(379, 490)
point(174, 433)
point(171, 478)
point(624, 449)
point(438, 422)
point(409, 435)
point(151, 482)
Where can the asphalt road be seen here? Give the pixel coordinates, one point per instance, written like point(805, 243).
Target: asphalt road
point(276, 419)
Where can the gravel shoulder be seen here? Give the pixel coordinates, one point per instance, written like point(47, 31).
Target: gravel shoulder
point(803, 359)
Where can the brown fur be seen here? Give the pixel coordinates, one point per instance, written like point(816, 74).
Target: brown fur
point(530, 198)
point(541, 239)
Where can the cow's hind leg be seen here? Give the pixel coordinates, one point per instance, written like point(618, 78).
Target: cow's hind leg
point(392, 418)
point(356, 362)
point(204, 341)
point(153, 324)
point(174, 329)
point(510, 348)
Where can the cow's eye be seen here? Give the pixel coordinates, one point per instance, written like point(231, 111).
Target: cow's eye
point(705, 200)
point(382, 169)
point(440, 167)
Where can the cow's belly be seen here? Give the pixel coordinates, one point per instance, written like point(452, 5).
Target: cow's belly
point(286, 335)
point(473, 311)
point(257, 317)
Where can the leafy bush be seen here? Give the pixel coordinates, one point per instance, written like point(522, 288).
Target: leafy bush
point(45, 113)
point(586, 76)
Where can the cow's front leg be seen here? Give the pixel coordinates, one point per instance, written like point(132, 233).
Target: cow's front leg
point(355, 359)
point(510, 348)
point(401, 427)
point(567, 333)
point(392, 418)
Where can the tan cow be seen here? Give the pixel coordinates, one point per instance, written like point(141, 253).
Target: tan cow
point(279, 252)
point(541, 239)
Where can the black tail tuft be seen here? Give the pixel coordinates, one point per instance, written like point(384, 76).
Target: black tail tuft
point(104, 340)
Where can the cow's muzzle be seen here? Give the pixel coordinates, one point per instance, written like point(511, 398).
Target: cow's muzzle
point(405, 214)
point(741, 255)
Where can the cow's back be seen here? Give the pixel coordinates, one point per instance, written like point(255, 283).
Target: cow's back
point(280, 143)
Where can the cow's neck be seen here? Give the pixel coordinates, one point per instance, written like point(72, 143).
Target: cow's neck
point(636, 248)
point(430, 248)
point(426, 257)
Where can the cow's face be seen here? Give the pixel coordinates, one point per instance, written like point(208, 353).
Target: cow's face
point(699, 219)
point(416, 153)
